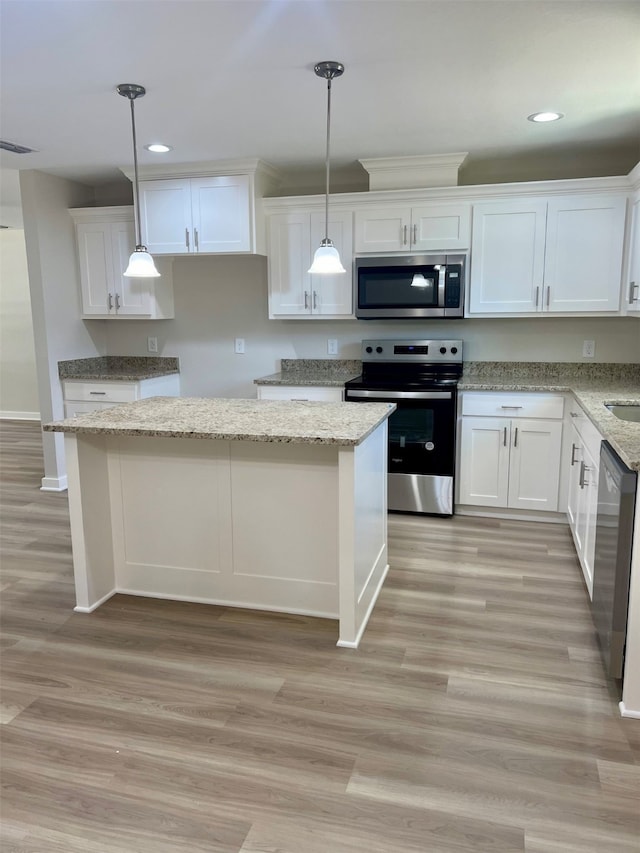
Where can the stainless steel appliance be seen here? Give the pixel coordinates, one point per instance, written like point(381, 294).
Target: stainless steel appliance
point(409, 286)
point(612, 565)
point(420, 377)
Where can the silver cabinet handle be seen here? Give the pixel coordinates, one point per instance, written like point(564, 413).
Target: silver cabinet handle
point(315, 299)
point(110, 303)
point(415, 234)
point(404, 235)
point(548, 296)
point(574, 414)
point(633, 288)
point(537, 295)
point(117, 301)
point(574, 447)
point(299, 399)
point(306, 300)
point(515, 438)
point(98, 393)
point(195, 237)
point(504, 440)
point(583, 469)
point(511, 407)
point(186, 237)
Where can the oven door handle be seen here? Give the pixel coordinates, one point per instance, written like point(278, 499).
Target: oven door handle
point(401, 395)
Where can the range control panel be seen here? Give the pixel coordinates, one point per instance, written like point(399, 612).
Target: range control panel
point(412, 351)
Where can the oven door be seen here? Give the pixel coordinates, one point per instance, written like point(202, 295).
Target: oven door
point(422, 437)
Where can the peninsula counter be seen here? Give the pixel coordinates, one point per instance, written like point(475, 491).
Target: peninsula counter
point(251, 503)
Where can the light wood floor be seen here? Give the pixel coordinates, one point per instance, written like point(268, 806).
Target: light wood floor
point(474, 717)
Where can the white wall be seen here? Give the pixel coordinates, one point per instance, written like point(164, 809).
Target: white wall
point(55, 298)
point(220, 298)
point(18, 383)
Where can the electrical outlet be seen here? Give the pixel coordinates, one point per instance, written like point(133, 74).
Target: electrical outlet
point(152, 345)
point(588, 349)
point(240, 345)
point(332, 346)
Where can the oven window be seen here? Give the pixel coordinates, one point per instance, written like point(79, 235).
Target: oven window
point(409, 427)
point(398, 287)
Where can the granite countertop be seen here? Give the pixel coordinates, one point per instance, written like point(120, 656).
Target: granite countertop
point(591, 385)
point(346, 424)
point(313, 371)
point(121, 368)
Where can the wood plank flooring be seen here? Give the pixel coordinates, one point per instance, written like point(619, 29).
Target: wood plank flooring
point(474, 717)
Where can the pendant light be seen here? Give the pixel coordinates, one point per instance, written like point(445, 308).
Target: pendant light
point(140, 263)
point(326, 259)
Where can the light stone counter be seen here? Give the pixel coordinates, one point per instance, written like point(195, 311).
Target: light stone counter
point(343, 424)
point(313, 371)
point(120, 368)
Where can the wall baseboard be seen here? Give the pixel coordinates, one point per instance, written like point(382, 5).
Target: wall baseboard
point(19, 416)
point(54, 484)
point(628, 712)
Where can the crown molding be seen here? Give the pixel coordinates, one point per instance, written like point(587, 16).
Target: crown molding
point(209, 169)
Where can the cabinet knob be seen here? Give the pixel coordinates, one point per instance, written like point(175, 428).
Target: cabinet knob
point(378, 349)
point(443, 350)
point(369, 349)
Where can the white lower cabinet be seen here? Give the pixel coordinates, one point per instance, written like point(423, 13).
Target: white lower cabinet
point(302, 393)
point(582, 500)
point(84, 396)
point(513, 460)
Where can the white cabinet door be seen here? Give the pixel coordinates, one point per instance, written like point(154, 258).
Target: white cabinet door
point(573, 496)
point(301, 393)
point(534, 464)
point(132, 295)
point(583, 260)
point(289, 262)
point(220, 209)
point(95, 252)
point(484, 461)
point(165, 211)
point(383, 229)
point(507, 257)
point(589, 487)
point(440, 227)
point(333, 294)
point(631, 295)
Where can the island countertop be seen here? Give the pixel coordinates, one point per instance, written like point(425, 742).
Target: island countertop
point(345, 424)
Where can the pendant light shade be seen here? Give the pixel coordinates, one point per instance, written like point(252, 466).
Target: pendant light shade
point(326, 260)
point(141, 263)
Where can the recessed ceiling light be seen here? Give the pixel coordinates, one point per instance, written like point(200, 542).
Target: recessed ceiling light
point(158, 148)
point(545, 116)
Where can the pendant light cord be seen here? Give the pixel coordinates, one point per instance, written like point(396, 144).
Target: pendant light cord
point(326, 198)
point(136, 195)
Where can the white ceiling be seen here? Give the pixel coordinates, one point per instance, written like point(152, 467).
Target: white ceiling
point(230, 80)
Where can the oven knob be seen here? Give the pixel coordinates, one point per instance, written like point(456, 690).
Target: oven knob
point(443, 350)
point(378, 349)
point(369, 349)
point(454, 350)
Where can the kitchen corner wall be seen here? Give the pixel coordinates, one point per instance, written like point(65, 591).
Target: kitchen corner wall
point(221, 298)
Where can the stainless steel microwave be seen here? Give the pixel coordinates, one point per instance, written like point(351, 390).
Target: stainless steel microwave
point(409, 286)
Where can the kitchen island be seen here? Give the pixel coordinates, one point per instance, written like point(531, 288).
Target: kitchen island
point(260, 504)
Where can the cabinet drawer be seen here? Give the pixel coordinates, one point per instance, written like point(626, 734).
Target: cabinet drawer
point(72, 409)
point(300, 392)
point(587, 431)
point(101, 392)
point(512, 405)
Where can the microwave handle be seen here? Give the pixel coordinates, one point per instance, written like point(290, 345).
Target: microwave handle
point(441, 279)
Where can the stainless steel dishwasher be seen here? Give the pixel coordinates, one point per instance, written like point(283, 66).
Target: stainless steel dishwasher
point(612, 565)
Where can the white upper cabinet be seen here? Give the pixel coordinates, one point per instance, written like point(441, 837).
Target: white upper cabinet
point(428, 227)
point(583, 258)
point(631, 287)
point(197, 215)
point(507, 256)
point(561, 255)
point(293, 292)
point(105, 239)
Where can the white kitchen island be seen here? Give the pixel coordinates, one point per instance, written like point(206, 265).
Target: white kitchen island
point(251, 503)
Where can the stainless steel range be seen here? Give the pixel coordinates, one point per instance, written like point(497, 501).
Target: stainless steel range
point(421, 377)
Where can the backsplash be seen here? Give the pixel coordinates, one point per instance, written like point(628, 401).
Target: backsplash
point(332, 367)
